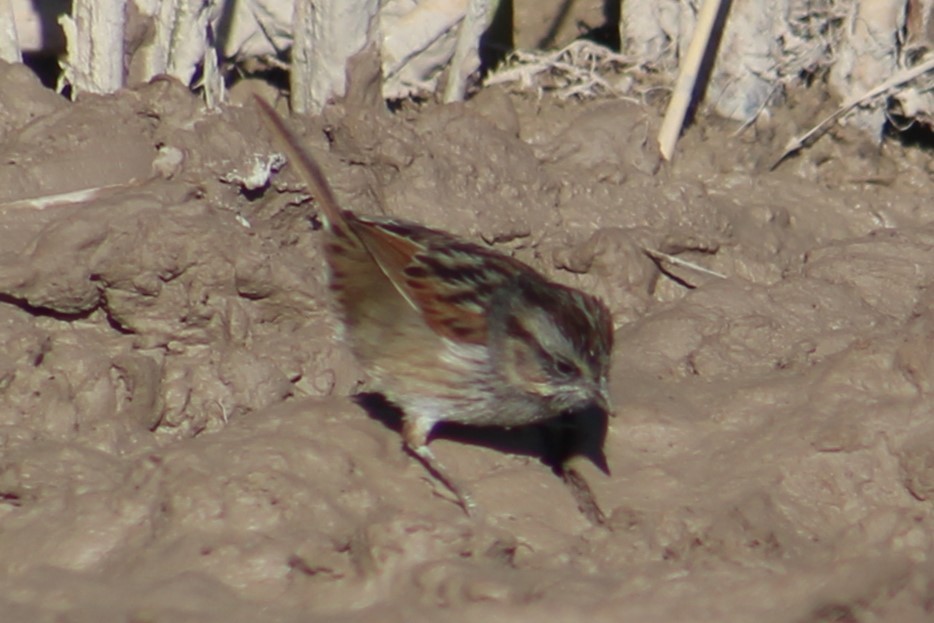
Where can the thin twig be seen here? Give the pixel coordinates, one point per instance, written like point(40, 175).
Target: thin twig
point(809, 137)
point(752, 119)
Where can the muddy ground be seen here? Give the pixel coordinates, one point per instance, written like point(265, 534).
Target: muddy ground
point(176, 437)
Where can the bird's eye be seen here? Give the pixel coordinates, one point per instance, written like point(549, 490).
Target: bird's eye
point(566, 368)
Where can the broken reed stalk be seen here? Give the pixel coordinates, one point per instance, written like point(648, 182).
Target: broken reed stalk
point(687, 78)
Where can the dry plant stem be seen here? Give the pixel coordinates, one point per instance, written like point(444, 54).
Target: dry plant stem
point(94, 46)
point(658, 256)
point(469, 32)
point(687, 79)
point(808, 138)
point(326, 35)
point(9, 40)
point(67, 198)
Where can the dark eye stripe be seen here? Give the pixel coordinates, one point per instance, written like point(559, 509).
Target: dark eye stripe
point(565, 367)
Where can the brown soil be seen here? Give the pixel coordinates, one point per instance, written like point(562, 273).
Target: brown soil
point(176, 437)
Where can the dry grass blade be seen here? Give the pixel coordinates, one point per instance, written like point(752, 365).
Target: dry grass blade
point(73, 197)
point(577, 70)
point(663, 258)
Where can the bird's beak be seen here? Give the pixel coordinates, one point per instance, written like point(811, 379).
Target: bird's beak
point(602, 399)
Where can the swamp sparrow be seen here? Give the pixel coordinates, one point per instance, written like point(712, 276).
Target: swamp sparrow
point(451, 331)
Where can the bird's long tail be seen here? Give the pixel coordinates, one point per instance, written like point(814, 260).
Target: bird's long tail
point(307, 167)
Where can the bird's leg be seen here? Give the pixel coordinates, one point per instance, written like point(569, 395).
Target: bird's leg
point(416, 441)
